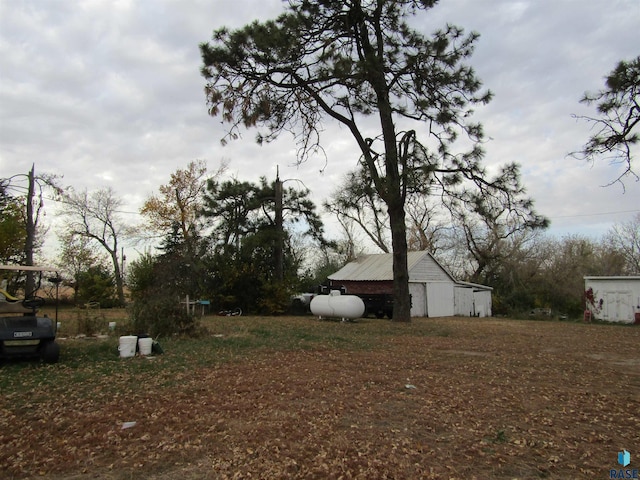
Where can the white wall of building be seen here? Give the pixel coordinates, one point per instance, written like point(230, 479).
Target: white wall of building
point(616, 299)
point(482, 302)
point(418, 293)
point(463, 301)
point(440, 300)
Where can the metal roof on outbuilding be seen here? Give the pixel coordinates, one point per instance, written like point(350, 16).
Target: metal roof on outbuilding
point(475, 286)
point(379, 267)
point(614, 277)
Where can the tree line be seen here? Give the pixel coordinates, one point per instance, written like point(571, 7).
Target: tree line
point(419, 183)
point(218, 239)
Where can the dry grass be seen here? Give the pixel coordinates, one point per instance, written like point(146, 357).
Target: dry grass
point(298, 398)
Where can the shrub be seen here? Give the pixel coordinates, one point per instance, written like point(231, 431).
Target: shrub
point(155, 308)
point(275, 299)
point(162, 316)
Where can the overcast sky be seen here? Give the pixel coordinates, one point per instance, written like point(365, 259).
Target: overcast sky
point(109, 93)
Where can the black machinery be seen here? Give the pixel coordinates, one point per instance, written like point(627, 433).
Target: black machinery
point(22, 332)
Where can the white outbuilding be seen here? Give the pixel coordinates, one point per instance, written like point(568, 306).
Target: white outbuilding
point(613, 299)
point(473, 300)
point(434, 291)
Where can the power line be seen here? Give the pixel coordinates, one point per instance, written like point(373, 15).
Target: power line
point(596, 214)
point(56, 200)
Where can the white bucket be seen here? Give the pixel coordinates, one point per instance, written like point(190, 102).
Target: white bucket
point(145, 345)
point(127, 347)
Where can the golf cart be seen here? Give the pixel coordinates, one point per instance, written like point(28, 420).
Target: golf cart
point(22, 332)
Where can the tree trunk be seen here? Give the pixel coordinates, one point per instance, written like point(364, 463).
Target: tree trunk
point(394, 198)
point(395, 201)
point(118, 275)
point(401, 296)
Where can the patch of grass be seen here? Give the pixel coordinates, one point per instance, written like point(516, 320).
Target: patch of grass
point(225, 339)
point(91, 366)
point(289, 333)
point(500, 437)
point(76, 321)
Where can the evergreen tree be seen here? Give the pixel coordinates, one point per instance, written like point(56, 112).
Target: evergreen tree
point(616, 128)
point(348, 60)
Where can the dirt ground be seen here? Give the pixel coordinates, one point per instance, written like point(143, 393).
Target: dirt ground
point(485, 399)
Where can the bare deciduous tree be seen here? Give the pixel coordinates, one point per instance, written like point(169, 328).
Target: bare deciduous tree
point(96, 216)
point(625, 238)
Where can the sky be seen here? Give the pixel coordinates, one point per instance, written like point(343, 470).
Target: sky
point(108, 93)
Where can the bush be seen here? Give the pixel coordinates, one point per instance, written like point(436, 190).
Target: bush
point(275, 299)
point(162, 316)
point(90, 321)
point(155, 308)
point(96, 284)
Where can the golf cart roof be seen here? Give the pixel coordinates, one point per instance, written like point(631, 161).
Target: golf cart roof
point(28, 268)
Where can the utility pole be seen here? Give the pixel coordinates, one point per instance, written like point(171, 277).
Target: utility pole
point(32, 211)
point(30, 285)
point(122, 260)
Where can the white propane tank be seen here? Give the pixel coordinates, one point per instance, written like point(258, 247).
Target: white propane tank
point(336, 305)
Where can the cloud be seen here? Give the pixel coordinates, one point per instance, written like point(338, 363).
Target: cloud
point(109, 93)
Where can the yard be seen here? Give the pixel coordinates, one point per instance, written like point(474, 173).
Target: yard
point(295, 397)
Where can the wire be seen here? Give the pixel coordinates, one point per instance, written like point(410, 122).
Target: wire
point(596, 214)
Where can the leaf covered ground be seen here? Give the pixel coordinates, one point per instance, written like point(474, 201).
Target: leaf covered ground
point(448, 398)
